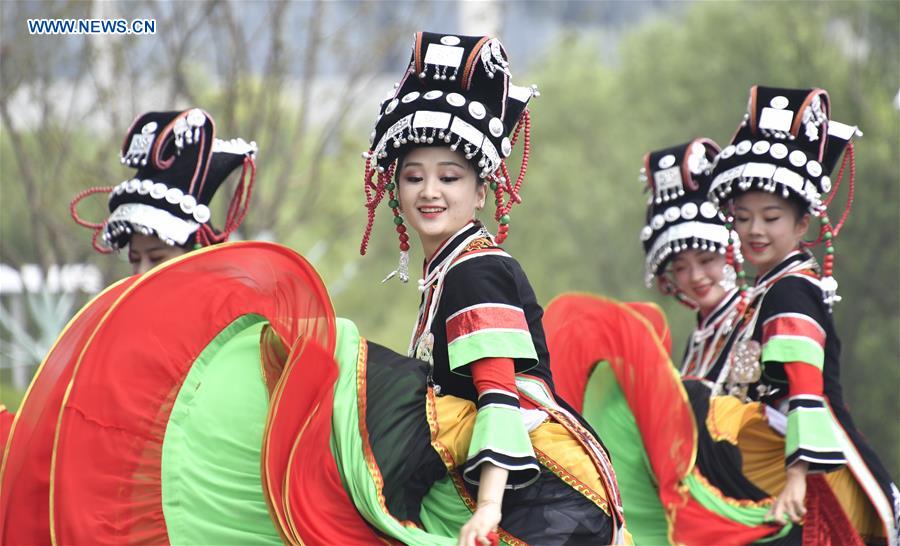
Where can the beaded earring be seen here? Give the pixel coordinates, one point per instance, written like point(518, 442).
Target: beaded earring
point(376, 188)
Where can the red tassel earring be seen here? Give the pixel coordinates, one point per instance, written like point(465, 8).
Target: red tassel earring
point(388, 184)
point(829, 233)
point(375, 192)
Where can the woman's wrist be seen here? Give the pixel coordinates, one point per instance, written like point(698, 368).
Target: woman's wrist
point(798, 469)
point(482, 503)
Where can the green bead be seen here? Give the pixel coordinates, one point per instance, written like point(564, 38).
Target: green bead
point(197, 246)
point(728, 226)
point(742, 274)
point(504, 219)
point(730, 241)
point(827, 235)
point(393, 203)
point(398, 220)
point(745, 287)
point(829, 250)
point(389, 186)
point(494, 186)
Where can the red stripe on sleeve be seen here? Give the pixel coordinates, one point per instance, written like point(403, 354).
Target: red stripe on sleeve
point(485, 317)
point(494, 374)
point(803, 378)
point(793, 325)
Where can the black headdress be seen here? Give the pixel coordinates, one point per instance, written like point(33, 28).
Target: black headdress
point(180, 165)
point(679, 216)
point(456, 90)
point(786, 143)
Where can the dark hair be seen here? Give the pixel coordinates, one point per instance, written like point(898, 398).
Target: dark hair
point(798, 206)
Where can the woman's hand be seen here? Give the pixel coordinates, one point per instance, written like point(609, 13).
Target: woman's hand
point(484, 521)
point(788, 505)
point(488, 512)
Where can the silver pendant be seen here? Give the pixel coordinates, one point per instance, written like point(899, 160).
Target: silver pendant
point(425, 347)
point(729, 278)
point(744, 367)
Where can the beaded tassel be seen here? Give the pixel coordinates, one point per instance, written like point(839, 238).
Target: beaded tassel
point(402, 271)
point(828, 232)
point(502, 181)
point(733, 261)
point(375, 192)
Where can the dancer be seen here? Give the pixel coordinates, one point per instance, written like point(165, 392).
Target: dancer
point(441, 141)
point(772, 178)
point(685, 242)
point(163, 211)
point(356, 446)
point(728, 478)
point(611, 359)
point(160, 214)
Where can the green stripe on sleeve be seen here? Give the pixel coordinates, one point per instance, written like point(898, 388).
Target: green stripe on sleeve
point(487, 344)
point(500, 429)
point(799, 349)
point(811, 429)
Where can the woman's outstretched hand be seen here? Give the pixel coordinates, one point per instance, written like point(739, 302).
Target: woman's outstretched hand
point(483, 523)
point(789, 505)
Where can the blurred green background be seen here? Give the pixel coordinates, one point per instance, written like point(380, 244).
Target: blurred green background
point(617, 80)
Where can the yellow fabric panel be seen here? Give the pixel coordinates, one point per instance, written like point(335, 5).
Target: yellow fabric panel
point(569, 461)
point(762, 452)
point(744, 425)
point(728, 415)
point(456, 421)
point(551, 440)
point(855, 503)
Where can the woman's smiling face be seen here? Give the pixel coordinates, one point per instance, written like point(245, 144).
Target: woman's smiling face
point(769, 227)
point(439, 193)
point(698, 274)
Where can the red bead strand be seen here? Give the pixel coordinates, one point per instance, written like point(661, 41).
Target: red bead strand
point(373, 198)
point(96, 227)
point(512, 189)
